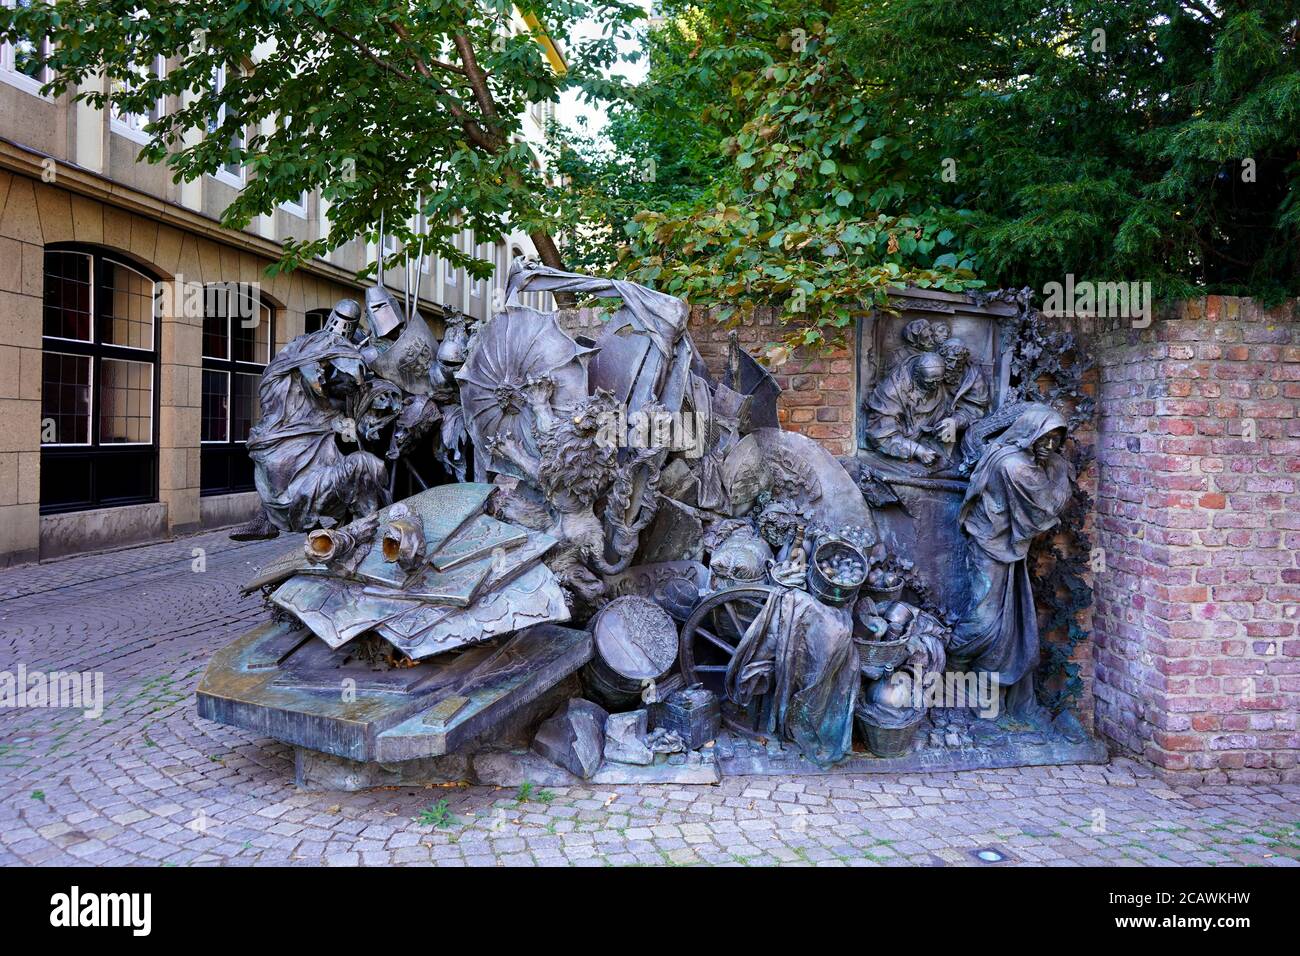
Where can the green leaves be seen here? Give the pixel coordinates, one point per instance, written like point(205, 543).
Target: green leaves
point(801, 215)
point(910, 141)
point(382, 104)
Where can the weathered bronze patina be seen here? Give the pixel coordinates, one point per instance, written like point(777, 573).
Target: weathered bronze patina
point(624, 491)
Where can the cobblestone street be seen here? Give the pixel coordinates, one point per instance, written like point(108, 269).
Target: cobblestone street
point(150, 783)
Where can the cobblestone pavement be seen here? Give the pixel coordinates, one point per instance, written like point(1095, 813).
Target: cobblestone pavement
point(150, 783)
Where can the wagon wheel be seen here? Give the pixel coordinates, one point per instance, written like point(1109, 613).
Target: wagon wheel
point(709, 640)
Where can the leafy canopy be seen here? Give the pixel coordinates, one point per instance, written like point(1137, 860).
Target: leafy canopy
point(659, 147)
point(858, 144)
point(375, 102)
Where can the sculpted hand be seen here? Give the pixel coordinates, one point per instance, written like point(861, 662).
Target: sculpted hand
point(539, 389)
point(926, 456)
point(947, 431)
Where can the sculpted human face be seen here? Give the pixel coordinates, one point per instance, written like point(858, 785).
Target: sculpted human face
point(314, 376)
point(954, 365)
point(918, 334)
point(1046, 446)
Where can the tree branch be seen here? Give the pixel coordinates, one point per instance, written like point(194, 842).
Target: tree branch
point(361, 45)
point(421, 60)
point(490, 139)
point(487, 140)
point(472, 129)
point(477, 77)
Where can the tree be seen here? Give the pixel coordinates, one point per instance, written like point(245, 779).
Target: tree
point(796, 205)
point(659, 147)
point(877, 141)
point(375, 102)
point(1156, 140)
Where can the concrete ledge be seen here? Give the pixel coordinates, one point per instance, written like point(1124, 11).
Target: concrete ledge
point(222, 511)
point(10, 559)
point(742, 757)
point(102, 528)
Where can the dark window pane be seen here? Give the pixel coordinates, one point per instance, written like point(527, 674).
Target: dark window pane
point(315, 320)
point(230, 385)
point(125, 402)
point(252, 342)
point(67, 483)
point(126, 315)
point(216, 406)
point(225, 469)
point(243, 405)
point(65, 399)
point(67, 295)
point(97, 404)
point(125, 478)
point(216, 335)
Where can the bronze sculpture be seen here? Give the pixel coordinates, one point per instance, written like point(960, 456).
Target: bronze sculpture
point(792, 605)
point(382, 387)
point(799, 653)
point(303, 476)
point(931, 395)
point(1016, 493)
point(909, 412)
point(967, 386)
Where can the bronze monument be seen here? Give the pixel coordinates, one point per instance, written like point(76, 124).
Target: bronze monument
point(727, 566)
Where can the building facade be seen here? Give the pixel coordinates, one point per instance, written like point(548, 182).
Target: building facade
point(125, 418)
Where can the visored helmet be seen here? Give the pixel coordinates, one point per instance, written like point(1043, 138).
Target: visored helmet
point(343, 318)
point(382, 311)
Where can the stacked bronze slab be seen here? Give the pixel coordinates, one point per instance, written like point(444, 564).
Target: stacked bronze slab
point(464, 596)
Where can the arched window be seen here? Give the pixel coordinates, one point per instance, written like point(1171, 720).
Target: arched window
point(238, 329)
point(99, 434)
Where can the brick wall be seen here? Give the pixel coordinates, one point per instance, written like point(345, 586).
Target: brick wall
point(817, 391)
point(1197, 658)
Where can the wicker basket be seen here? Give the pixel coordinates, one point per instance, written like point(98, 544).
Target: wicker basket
point(886, 654)
point(888, 741)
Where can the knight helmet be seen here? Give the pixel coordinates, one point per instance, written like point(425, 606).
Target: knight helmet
point(382, 312)
point(343, 318)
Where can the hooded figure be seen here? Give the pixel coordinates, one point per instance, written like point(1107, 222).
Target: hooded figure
point(301, 473)
point(1016, 493)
